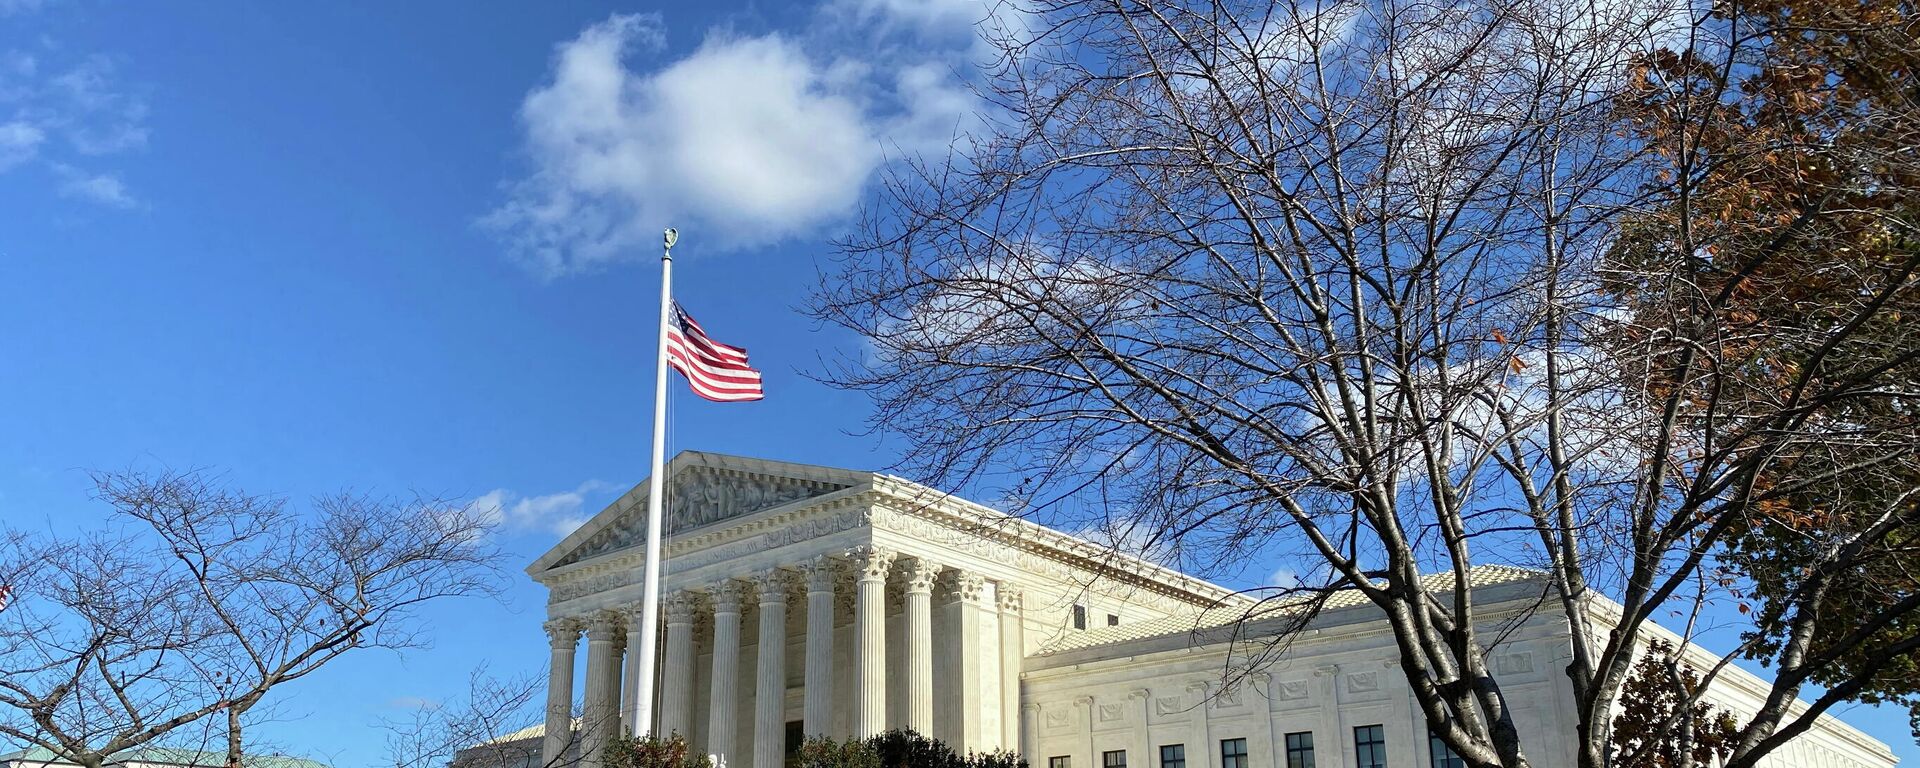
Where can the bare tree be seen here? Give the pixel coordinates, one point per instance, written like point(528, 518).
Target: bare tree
point(198, 600)
point(490, 727)
point(1332, 277)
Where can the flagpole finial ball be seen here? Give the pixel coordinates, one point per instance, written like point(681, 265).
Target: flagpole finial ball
point(671, 236)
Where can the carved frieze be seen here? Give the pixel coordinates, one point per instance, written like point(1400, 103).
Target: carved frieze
point(1291, 690)
point(696, 497)
point(1168, 705)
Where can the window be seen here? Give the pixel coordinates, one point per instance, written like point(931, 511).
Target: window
point(1114, 759)
point(1233, 753)
point(1057, 761)
point(1370, 746)
point(1173, 756)
point(796, 734)
point(1441, 755)
point(1113, 619)
point(1300, 750)
point(1079, 618)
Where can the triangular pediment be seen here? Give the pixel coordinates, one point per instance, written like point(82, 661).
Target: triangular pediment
point(702, 489)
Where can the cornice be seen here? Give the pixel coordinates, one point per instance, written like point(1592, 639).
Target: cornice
point(773, 520)
point(1006, 530)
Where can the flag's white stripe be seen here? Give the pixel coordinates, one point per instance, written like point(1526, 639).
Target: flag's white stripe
point(693, 329)
point(699, 377)
point(709, 348)
point(709, 367)
point(727, 394)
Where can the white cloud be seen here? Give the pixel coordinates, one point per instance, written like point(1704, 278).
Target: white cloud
point(77, 112)
point(745, 140)
point(413, 702)
point(10, 7)
point(557, 513)
point(98, 116)
point(19, 142)
point(103, 188)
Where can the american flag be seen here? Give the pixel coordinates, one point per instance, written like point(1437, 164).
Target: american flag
point(716, 371)
point(6, 595)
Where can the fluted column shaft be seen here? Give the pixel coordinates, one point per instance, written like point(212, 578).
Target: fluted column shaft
point(629, 674)
point(976, 666)
point(919, 618)
point(1013, 654)
point(600, 720)
point(563, 635)
point(870, 640)
point(676, 689)
point(770, 685)
point(721, 706)
point(817, 714)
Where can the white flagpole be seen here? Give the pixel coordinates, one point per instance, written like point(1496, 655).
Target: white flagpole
point(650, 594)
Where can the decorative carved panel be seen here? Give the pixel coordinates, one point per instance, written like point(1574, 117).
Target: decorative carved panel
point(696, 497)
point(1361, 682)
point(1514, 663)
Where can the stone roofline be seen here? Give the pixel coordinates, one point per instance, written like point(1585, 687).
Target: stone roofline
point(868, 490)
point(1501, 600)
point(1604, 612)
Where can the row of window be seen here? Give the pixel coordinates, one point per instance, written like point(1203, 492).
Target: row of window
point(1369, 749)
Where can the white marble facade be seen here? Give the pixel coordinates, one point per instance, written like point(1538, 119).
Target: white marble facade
point(805, 600)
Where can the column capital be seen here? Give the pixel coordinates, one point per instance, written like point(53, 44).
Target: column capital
point(604, 626)
point(969, 586)
point(821, 572)
point(563, 632)
point(920, 575)
point(728, 595)
point(1008, 598)
point(774, 584)
point(679, 608)
point(871, 563)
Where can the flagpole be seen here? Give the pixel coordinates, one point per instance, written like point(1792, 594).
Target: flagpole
point(650, 592)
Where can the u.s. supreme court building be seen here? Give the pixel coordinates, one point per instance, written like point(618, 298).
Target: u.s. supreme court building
point(804, 600)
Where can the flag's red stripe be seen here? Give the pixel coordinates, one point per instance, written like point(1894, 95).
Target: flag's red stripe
point(695, 353)
point(713, 370)
point(722, 379)
point(699, 339)
point(720, 395)
point(709, 364)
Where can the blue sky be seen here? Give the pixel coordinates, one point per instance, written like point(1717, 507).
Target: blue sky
point(410, 246)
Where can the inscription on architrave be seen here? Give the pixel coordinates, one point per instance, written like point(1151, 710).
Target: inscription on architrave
point(697, 497)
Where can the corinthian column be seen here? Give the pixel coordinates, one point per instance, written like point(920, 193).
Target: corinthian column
point(978, 678)
point(629, 674)
point(676, 689)
point(817, 715)
point(600, 720)
point(770, 686)
point(919, 620)
point(722, 708)
point(1013, 653)
point(564, 637)
point(870, 640)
